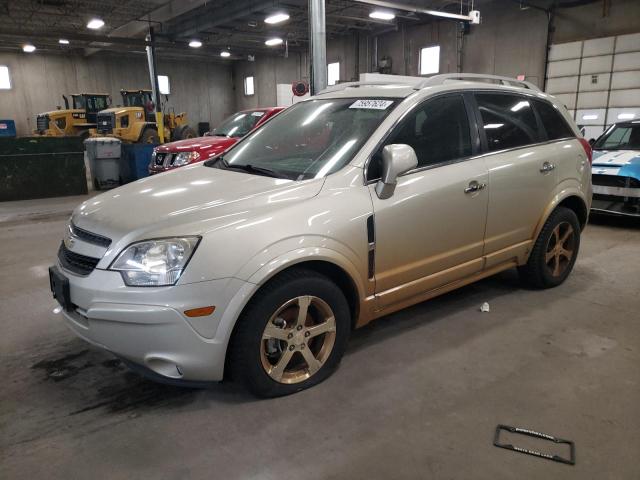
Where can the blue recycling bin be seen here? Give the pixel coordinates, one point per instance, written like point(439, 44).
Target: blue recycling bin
point(135, 161)
point(7, 128)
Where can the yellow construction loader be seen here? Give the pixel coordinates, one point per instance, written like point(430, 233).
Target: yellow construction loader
point(135, 120)
point(74, 121)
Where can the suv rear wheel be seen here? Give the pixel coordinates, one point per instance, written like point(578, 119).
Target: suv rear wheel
point(291, 336)
point(555, 250)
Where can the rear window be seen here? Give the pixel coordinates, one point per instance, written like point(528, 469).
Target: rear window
point(555, 126)
point(508, 120)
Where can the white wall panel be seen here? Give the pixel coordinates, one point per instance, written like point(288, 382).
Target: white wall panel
point(563, 68)
point(592, 100)
point(593, 131)
point(598, 46)
point(628, 43)
point(594, 82)
point(624, 98)
point(591, 117)
point(564, 51)
point(626, 61)
point(629, 79)
point(623, 114)
point(601, 64)
point(562, 85)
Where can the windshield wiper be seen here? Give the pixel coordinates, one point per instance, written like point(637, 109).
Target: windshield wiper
point(254, 169)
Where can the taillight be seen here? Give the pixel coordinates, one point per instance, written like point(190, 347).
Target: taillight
point(587, 149)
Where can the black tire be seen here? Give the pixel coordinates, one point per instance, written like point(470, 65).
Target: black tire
point(183, 132)
point(150, 136)
point(540, 273)
point(245, 354)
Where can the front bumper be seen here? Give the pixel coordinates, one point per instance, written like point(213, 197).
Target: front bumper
point(146, 325)
point(617, 194)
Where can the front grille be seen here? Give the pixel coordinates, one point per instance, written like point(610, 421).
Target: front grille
point(76, 263)
point(105, 122)
point(42, 123)
point(615, 181)
point(163, 159)
point(89, 237)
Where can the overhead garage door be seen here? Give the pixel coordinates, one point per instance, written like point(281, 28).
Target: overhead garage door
point(598, 80)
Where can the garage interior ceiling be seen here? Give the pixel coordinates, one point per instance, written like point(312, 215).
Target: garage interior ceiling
point(234, 24)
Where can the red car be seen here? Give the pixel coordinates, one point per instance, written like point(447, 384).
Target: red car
point(183, 152)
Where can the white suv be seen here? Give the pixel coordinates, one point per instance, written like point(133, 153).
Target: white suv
point(350, 205)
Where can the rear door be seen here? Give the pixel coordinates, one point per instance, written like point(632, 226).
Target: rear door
point(522, 172)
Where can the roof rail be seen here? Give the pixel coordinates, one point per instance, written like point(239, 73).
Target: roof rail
point(474, 77)
point(342, 86)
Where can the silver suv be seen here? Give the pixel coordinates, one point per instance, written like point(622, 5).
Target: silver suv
point(348, 206)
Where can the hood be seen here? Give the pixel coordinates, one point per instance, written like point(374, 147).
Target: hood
point(610, 158)
point(625, 163)
point(188, 201)
point(61, 112)
point(200, 144)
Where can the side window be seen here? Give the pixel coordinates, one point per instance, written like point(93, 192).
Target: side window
point(555, 126)
point(438, 131)
point(508, 120)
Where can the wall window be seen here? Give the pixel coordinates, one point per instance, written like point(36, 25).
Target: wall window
point(248, 86)
point(333, 73)
point(163, 85)
point(508, 120)
point(429, 60)
point(5, 81)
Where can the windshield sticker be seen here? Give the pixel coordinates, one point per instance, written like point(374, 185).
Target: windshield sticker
point(371, 104)
point(257, 114)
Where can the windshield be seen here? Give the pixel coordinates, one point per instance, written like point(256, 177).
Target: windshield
point(620, 137)
point(136, 99)
point(78, 101)
point(239, 124)
point(308, 140)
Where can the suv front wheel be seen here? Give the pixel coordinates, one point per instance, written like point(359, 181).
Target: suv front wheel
point(555, 250)
point(291, 336)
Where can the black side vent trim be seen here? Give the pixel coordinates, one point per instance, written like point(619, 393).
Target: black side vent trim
point(371, 239)
point(89, 237)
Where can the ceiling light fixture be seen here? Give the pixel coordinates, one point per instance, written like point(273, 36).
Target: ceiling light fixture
point(626, 116)
point(195, 43)
point(273, 41)
point(63, 41)
point(224, 53)
point(28, 48)
point(277, 18)
point(382, 15)
point(95, 24)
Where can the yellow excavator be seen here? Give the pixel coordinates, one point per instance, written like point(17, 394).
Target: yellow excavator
point(135, 121)
point(75, 119)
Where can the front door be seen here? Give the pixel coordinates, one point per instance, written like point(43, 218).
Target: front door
point(430, 232)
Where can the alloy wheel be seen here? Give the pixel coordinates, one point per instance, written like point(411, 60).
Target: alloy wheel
point(560, 249)
point(298, 339)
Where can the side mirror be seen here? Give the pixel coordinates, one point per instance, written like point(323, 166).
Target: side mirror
point(592, 141)
point(396, 160)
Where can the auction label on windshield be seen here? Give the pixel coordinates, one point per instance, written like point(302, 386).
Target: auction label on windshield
point(371, 104)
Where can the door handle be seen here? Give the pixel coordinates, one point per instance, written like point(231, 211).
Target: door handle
point(547, 167)
point(474, 187)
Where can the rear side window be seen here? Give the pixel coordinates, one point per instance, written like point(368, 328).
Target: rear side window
point(555, 126)
point(508, 120)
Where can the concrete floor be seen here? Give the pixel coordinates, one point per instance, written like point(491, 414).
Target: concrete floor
point(418, 395)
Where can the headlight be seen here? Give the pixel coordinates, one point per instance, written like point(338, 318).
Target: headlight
point(184, 158)
point(155, 263)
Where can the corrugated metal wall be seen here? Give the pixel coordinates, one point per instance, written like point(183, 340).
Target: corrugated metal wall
point(598, 80)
